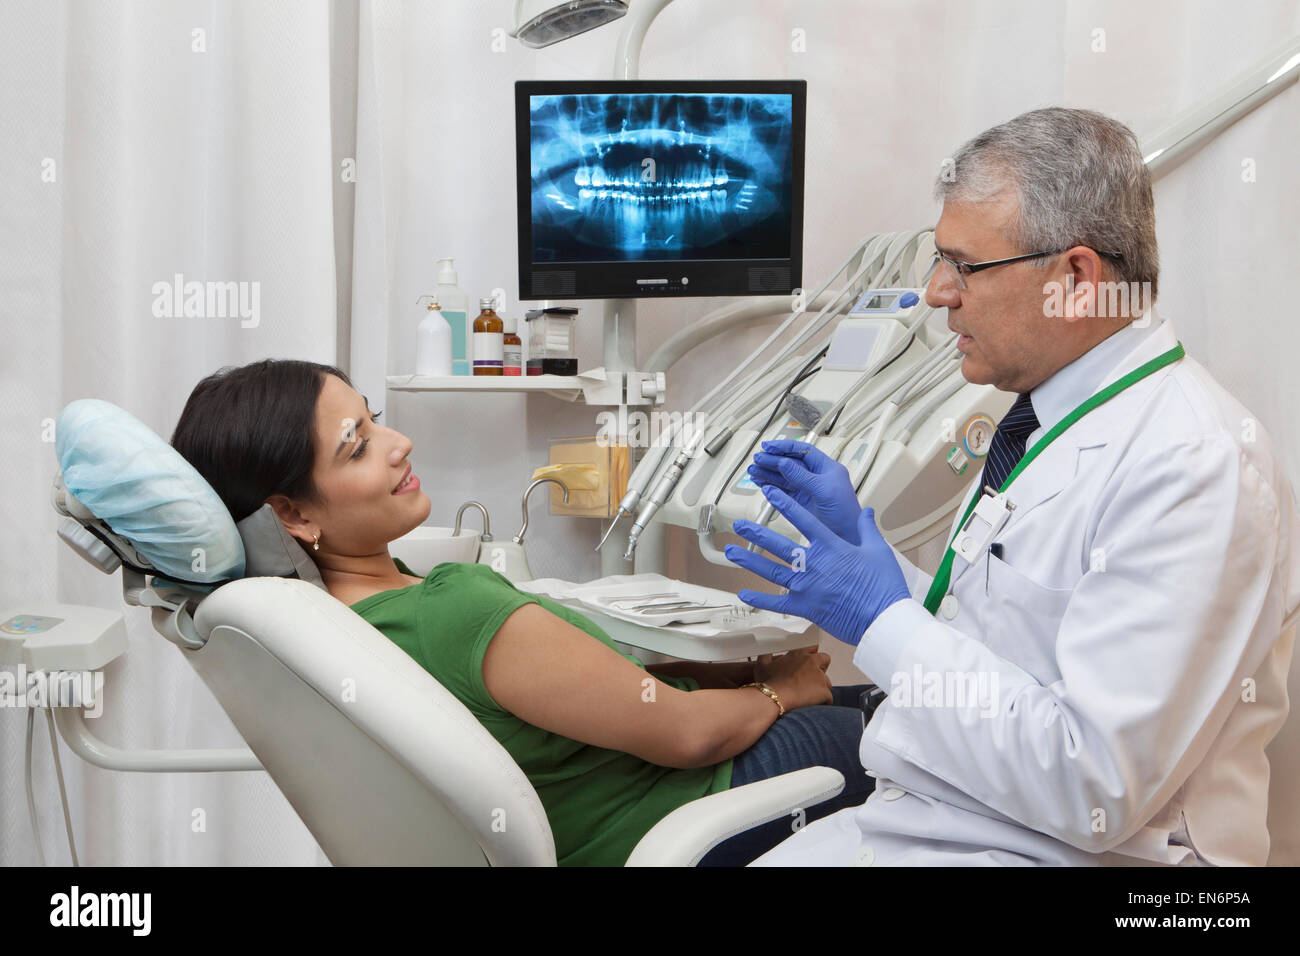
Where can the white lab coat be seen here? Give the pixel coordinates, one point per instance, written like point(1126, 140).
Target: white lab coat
point(1130, 629)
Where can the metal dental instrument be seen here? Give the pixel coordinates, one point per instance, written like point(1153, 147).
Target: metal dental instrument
point(617, 602)
point(613, 524)
point(678, 606)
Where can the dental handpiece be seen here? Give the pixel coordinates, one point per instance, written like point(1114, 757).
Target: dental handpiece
point(663, 491)
point(625, 507)
point(641, 476)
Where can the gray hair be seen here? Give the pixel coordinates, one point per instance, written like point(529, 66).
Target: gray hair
point(1080, 180)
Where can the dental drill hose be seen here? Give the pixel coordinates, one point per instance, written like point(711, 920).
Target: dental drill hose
point(867, 253)
point(719, 400)
point(918, 376)
point(668, 483)
point(714, 405)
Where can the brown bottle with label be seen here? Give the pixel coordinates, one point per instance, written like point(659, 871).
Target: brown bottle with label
point(489, 335)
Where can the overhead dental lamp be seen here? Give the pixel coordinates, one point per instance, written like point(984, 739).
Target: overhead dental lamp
point(539, 23)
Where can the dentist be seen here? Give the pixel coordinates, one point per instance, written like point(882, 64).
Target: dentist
point(1094, 677)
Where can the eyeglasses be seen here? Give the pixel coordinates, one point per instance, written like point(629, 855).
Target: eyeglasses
point(961, 270)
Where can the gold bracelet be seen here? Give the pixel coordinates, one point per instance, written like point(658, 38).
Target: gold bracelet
point(770, 693)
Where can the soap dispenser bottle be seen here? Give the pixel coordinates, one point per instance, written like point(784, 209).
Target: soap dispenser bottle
point(454, 305)
point(433, 346)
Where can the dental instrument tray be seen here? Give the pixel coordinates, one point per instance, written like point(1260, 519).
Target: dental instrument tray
point(672, 617)
point(667, 608)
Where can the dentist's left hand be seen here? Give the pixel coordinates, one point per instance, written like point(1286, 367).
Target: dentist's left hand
point(839, 586)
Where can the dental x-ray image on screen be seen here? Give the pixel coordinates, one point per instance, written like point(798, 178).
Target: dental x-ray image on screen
point(641, 188)
point(663, 176)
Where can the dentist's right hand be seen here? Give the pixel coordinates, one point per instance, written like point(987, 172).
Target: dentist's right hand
point(813, 479)
point(840, 587)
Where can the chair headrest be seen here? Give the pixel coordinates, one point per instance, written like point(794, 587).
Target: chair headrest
point(271, 551)
point(121, 472)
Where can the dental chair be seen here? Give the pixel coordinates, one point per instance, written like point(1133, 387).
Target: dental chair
point(382, 764)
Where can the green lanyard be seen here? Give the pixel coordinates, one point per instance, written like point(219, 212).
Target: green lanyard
point(939, 587)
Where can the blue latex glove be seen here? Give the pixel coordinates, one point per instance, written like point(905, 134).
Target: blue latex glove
point(842, 587)
point(812, 478)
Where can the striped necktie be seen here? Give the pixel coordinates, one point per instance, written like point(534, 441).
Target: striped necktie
point(1009, 442)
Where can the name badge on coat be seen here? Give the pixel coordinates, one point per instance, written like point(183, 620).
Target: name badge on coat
point(990, 514)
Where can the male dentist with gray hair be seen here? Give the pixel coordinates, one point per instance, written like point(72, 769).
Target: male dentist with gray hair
point(1117, 580)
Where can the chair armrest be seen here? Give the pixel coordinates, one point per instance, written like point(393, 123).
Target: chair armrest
point(684, 836)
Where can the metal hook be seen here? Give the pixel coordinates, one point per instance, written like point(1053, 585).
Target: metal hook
point(519, 538)
point(487, 533)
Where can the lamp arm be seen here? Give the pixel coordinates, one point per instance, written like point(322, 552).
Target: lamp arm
point(627, 55)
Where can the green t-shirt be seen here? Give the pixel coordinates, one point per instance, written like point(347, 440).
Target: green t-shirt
point(599, 802)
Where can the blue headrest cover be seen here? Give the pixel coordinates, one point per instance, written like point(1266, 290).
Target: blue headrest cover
point(147, 492)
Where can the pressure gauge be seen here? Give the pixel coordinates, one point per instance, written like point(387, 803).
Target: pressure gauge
point(978, 436)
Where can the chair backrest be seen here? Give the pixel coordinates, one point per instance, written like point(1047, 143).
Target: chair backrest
point(381, 762)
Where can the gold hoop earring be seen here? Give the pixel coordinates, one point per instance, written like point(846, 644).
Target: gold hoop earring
point(315, 542)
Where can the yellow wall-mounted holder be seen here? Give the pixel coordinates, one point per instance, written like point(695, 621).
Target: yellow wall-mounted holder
point(595, 473)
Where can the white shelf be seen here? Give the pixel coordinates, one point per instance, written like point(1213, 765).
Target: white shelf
point(566, 387)
point(592, 387)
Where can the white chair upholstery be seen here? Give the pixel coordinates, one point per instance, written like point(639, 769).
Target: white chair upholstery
point(381, 762)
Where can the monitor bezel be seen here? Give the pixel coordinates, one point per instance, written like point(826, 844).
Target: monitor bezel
point(626, 280)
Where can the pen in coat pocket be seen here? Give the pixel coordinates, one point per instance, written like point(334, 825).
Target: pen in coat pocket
point(995, 549)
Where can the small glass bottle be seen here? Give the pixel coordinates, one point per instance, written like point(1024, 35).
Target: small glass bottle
point(489, 334)
point(512, 349)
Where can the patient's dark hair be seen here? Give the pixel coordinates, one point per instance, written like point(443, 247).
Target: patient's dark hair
point(250, 431)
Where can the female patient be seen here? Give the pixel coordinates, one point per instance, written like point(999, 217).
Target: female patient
point(610, 746)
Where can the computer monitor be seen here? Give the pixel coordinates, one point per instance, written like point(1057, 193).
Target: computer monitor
point(642, 189)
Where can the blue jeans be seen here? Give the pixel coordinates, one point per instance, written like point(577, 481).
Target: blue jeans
point(825, 736)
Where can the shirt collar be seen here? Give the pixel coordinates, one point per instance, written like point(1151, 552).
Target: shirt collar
point(1074, 384)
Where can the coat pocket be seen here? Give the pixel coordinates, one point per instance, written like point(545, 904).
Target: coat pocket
point(1023, 618)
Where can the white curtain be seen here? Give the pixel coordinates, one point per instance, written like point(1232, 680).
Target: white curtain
point(232, 163)
point(183, 138)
